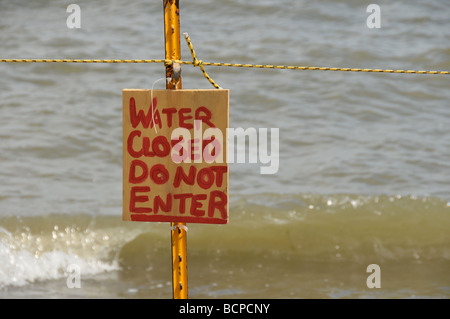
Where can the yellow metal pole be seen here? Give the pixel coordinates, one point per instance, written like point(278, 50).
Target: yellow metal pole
point(173, 52)
point(172, 39)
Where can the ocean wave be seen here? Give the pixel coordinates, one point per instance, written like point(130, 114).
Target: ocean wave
point(301, 228)
point(37, 249)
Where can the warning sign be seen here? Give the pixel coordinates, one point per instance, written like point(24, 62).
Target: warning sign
point(175, 156)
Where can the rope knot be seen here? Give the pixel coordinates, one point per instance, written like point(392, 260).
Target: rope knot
point(197, 62)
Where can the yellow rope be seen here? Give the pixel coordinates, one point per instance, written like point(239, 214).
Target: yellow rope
point(199, 63)
point(195, 62)
point(238, 65)
point(81, 61)
point(316, 68)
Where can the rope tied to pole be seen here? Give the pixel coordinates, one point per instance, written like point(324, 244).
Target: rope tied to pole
point(199, 63)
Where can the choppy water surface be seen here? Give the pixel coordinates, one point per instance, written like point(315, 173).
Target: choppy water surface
point(364, 158)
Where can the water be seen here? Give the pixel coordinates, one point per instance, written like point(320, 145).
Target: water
point(364, 158)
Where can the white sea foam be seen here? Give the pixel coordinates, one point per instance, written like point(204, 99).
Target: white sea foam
point(22, 264)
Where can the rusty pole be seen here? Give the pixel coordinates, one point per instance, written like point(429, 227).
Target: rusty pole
point(173, 52)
